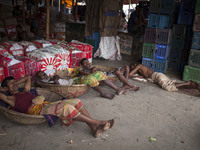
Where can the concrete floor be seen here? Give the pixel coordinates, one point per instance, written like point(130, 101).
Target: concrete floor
point(172, 118)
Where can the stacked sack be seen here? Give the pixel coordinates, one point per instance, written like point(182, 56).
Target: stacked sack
point(11, 67)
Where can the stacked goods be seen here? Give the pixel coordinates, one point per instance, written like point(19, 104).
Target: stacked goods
point(60, 29)
point(192, 70)
point(3, 50)
point(54, 41)
point(41, 43)
point(158, 35)
point(10, 27)
point(13, 48)
point(12, 67)
point(1, 74)
point(75, 55)
point(47, 60)
point(31, 66)
point(27, 46)
point(62, 56)
point(86, 48)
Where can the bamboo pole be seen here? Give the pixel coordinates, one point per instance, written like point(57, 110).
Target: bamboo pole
point(47, 21)
point(59, 5)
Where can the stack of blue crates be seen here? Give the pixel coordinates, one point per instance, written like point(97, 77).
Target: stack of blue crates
point(192, 70)
point(157, 38)
point(182, 35)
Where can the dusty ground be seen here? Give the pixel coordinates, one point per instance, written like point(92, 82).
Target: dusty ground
point(172, 118)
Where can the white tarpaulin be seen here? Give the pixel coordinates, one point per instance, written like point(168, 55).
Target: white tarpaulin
point(109, 48)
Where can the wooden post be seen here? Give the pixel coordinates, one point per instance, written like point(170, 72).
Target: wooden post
point(52, 2)
point(59, 5)
point(23, 12)
point(129, 9)
point(47, 21)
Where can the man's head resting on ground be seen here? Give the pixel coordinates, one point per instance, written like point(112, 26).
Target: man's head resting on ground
point(85, 63)
point(9, 84)
point(40, 76)
point(133, 65)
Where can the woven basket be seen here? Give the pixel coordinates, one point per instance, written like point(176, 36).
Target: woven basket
point(30, 119)
point(106, 69)
point(68, 91)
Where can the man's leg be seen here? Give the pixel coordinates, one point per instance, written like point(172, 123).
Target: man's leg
point(113, 86)
point(103, 94)
point(190, 83)
point(96, 126)
point(124, 80)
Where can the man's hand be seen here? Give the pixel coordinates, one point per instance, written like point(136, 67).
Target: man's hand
point(93, 70)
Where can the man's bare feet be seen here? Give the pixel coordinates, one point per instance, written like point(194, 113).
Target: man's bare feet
point(107, 95)
point(121, 91)
point(134, 88)
point(109, 124)
point(102, 128)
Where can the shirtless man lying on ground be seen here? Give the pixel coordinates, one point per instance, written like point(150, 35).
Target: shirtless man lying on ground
point(160, 78)
point(121, 73)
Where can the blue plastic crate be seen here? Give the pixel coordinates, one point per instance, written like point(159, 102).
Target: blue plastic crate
point(160, 65)
point(187, 5)
point(162, 51)
point(148, 62)
point(158, 21)
point(185, 18)
point(156, 65)
point(196, 41)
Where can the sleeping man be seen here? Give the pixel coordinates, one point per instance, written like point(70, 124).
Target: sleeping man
point(91, 80)
point(160, 78)
point(121, 74)
point(68, 110)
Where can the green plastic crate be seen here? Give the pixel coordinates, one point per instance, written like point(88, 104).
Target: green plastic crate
point(148, 50)
point(197, 7)
point(191, 73)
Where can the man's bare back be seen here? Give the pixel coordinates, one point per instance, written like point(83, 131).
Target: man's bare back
point(140, 70)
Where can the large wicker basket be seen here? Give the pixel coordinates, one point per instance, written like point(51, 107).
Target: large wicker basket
point(106, 69)
point(68, 91)
point(30, 119)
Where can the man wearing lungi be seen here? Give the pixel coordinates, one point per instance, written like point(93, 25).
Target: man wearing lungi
point(160, 78)
point(68, 110)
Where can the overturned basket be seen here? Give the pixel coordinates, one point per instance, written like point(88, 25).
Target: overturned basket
point(31, 119)
point(108, 70)
point(67, 91)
